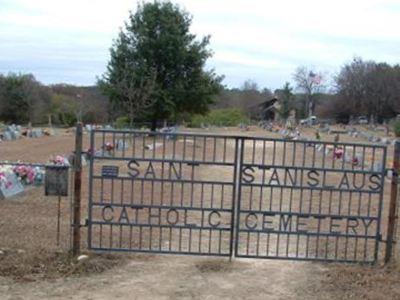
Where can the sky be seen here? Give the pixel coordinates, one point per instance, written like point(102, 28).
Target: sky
point(69, 40)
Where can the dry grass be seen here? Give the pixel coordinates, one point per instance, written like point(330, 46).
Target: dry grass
point(361, 282)
point(208, 266)
point(42, 264)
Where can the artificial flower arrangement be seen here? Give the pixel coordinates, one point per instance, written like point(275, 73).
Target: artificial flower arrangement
point(89, 153)
point(26, 174)
point(108, 147)
point(60, 161)
point(338, 153)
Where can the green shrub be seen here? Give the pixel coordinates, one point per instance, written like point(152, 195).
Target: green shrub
point(220, 117)
point(121, 122)
point(396, 128)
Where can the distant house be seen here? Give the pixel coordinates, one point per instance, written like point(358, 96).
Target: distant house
point(265, 111)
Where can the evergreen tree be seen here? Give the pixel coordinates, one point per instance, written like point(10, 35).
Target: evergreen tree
point(157, 67)
point(286, 100)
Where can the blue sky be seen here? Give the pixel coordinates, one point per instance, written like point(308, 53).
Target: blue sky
point(69, 40)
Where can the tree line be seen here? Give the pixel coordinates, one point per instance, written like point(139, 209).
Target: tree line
point(23, 100)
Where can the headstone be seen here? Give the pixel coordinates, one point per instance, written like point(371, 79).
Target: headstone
point(102, 153)
point(358, 159)
point(122, 145)
point(377, 166)
point(7, 136)
point(328, 149)
point(39, 178)
point(83, 160)
point(39, 132)
point(35, 133)
point(14, 135)
point(169, 130)
point(156, 145)
point(11, 186)
point(324, 129)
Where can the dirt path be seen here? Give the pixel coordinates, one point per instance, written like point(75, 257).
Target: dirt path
point(179, 277)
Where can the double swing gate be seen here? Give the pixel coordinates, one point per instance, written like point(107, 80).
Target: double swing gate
point(186, 193)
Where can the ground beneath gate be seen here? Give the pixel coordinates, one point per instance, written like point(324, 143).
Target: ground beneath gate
point(181, 277)
point(28, 222)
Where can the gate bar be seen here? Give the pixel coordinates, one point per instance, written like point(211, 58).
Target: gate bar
point(393, 203)
point(77, 191)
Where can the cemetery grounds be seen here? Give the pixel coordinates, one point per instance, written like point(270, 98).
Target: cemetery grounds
point(34, 267)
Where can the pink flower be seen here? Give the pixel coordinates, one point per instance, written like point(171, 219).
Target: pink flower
point(338, 153)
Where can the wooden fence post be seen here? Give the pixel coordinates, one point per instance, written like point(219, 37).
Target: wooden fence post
point(392, 219)
point(76, 245)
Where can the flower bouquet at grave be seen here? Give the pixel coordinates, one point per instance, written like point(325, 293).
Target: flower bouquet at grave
point(108, 147)
point(89, 153)
point(355, 161)
point(338, 153)
point(26, 174)
point(60, 160)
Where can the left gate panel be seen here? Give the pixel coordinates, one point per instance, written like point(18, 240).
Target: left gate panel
point(161, 192)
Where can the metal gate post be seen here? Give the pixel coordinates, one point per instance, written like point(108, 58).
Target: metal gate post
point(234, 200)
point(77, 191)
point(392, 219)
point(239, 195)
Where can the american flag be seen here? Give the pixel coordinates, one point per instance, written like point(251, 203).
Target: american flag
point(315, 78)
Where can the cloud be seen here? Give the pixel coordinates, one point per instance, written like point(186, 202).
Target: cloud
point(263, 40)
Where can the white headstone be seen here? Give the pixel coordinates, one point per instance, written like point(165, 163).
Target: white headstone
point(12, 187)
point(7, 136)
point(122, 145)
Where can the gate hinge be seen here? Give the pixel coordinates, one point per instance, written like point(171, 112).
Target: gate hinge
point(380, 239)
point(86, 224)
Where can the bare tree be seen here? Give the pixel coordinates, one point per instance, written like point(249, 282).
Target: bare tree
point(250, 85)
point(136, 92)
point(309, 83)
point(368, 88)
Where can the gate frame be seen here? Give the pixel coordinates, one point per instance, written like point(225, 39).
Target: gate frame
point(237, 188)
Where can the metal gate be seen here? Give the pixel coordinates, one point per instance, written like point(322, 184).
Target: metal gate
point(187, 193)
point(168, 193)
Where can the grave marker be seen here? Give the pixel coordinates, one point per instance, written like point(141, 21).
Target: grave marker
point(7, 136)
point(122, 145)
point(13, 188)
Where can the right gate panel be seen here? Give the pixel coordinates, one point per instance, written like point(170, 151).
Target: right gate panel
point(309, 200)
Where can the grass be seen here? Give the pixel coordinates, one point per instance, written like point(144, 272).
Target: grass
point(22, 265)
point(220, 117)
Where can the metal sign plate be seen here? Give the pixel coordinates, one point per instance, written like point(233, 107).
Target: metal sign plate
point(56, 181)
